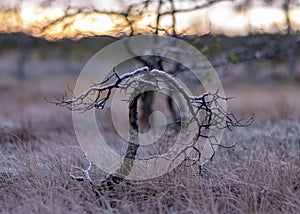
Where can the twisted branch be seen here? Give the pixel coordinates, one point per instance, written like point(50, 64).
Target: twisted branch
point(142, 79)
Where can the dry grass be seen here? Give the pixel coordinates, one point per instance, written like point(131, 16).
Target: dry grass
point(38, 146)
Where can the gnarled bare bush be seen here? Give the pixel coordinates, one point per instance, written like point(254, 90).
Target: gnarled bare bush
point(205, 111)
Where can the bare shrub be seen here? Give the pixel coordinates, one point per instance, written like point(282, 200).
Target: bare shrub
point(206, 112)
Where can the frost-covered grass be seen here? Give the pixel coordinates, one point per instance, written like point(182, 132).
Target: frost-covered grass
point(38, 146)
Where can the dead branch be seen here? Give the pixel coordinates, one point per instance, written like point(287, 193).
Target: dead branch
point(215, 117)
point(85, 172)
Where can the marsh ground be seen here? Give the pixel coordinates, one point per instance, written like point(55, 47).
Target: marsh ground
point(260, 174)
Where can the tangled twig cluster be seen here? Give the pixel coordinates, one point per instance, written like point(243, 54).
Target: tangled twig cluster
point(205, 110)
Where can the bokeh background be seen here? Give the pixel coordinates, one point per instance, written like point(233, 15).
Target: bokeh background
point(254, 45)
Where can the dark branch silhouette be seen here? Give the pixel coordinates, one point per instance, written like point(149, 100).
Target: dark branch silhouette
point(205, 111)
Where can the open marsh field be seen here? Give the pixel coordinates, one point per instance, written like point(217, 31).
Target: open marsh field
point(38, 146)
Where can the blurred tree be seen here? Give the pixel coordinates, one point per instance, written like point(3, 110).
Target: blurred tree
point(25, 44)
point(290, 41)
point(127, 17)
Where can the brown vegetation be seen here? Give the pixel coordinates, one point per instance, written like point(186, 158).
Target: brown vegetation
point(260, 175)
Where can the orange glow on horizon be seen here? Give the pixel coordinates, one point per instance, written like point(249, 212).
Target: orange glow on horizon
point(220, 18)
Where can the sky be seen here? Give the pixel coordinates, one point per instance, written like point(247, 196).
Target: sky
point(220, 18)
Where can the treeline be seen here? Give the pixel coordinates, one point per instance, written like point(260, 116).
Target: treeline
point(220, 49)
